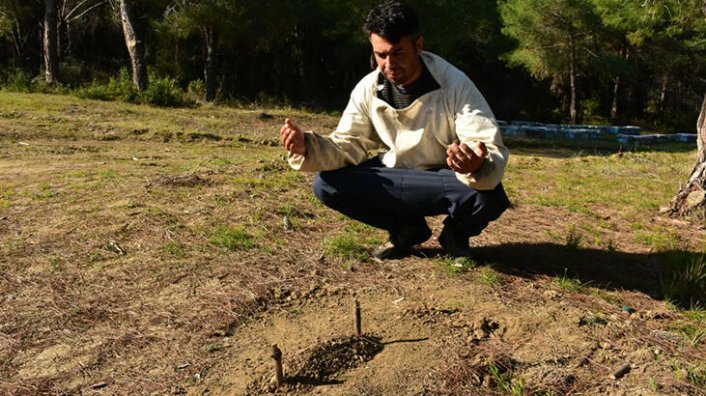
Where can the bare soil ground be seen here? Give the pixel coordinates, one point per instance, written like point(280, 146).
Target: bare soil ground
point(146, 251)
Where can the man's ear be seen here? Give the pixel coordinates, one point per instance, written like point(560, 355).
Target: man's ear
point(419, 45)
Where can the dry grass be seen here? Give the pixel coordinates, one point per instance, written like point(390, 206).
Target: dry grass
point(135, 242)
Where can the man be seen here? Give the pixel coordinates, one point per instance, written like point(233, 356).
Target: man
point(416, 139)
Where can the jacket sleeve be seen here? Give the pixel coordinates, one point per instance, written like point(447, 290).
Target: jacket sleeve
point(474, 121)
point(351, 143)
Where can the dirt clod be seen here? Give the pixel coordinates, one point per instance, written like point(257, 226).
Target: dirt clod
point(483, 328)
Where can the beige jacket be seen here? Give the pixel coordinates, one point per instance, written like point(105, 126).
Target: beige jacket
point(414, 137)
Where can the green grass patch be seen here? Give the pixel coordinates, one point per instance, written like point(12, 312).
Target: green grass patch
point(45, 192)
point(634, 183)
point(489, 276)
point(353, 243)
point(174, 249)
point(107, 173)
point(658, 238)
point(684, 281)
point(234, 238)
point(345, 246)
point(457, 265)
point(694, 332)
point(697, 375)
point(506, 382)
point(693, 373)
point(6, 195)
point(161, 91)
point(574, 239)
point(567, 283)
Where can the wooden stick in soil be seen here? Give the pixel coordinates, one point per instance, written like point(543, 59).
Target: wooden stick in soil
point(358, 325)
point(624, 369)
point(277, 355)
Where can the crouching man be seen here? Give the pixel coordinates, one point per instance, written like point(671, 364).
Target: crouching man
point(416, 139)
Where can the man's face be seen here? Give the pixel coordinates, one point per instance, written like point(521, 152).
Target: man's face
point(399, 62)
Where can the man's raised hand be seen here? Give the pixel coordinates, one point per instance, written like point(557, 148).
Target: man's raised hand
point(292, 137)
point(464, 159)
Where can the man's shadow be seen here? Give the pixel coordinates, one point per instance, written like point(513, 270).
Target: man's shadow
point(655, 274)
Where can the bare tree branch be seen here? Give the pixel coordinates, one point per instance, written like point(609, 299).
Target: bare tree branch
point(70, 15)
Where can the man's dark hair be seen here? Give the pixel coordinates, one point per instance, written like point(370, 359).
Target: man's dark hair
point(392, 20)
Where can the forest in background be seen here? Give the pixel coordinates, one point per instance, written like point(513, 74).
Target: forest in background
point(591, 61)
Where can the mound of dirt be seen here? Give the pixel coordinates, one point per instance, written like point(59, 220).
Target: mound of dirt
point(321, 364)
point(191, 180)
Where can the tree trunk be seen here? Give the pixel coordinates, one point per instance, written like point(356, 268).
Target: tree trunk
point(135, 46)
point(691, 198)
point(663, 91)
point(614, 108)
point(617, 87)
point(17, 41)
point(209, 39)
point(573, 112)
point(51, 53)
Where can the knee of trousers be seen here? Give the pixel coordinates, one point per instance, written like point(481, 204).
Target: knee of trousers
point(481, 207)
point(490, 205)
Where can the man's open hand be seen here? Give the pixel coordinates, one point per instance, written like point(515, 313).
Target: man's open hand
point(292, 137)
point(463, 159)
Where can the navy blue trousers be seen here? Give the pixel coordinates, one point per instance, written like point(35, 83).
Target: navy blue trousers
point(390, 198)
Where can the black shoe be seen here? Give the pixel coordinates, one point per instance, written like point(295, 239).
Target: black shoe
point(455, 243)
point(401, 243)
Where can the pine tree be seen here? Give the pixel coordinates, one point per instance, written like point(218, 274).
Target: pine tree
point(555, 40)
